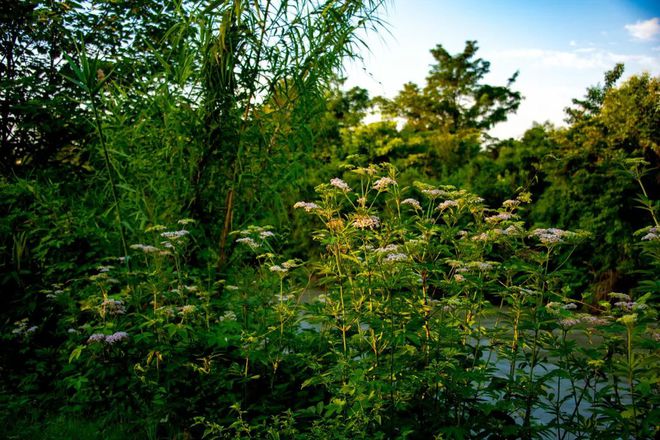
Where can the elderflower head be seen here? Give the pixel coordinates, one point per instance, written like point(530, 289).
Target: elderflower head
point(447, 204)
point(569, 322)
point(96, 337)
point(510, 203)
point(366, 221)
point(116, 337)
point(147, 249)
point(394, 258)
point(433, 193)
point(383, 183)
point(188, 309)
point(390, 248)
point(340, 184)
point(412, 202)
point(174, 235)
point(228, 316)
point(551, 235)
point(499, 217)
point(307, 206)
point(113, 306)
point(651, 236)
point(248, 241)
point(278, 269)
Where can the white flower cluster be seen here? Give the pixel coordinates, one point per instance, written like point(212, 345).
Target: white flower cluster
point(383, 183)
point(447, 204)
point(174, 235)
point(551, 235)
point(248, 241)
point(307, 206)
point(395, 258)
point(23, 329)
point(653, 234)
point(188, 309)
point(114, 306)
point(502, 216)
point(340, 184)
point(109, 339)
point(147, 249)
point(390, 248)
point(433, 193)
point(412, 202)
point(228, 316)
point(510, 203)
point(366, 222)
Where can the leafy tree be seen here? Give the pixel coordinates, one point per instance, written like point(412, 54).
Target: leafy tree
point(588, 187)
point(454, 109)
point(454, 98)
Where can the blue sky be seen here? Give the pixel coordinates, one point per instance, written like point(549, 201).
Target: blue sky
point(560, 47)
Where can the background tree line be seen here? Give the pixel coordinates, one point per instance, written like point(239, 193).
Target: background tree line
point(118, 117)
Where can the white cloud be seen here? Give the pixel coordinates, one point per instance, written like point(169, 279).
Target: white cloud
point(572, 43)
point(644, 30)
point(579, 59)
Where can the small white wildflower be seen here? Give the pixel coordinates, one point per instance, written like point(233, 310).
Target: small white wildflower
point(248, 241)
point(113, 306)
point(174, 235)
point(387, 249)
point(383, 183)
point(447, 204)
point(116, 337)
point(147, 249)
point(569, 306)
point(167, 244)
point(279, 269)
point(393, 258)
point(228, 316)
point(481, 237)
point(625, 305)
point(340, 184)
point(433, 193)
point(307, 206)
point(510, 203)
point(188, 309)
point(266, 234)
point(103, 269)
point(499, 217)
point(96, 337)
point(593, 320)
point(366, 222)
point(569, 322)
point(412, 202)
point(551, 235)
point(651, 236)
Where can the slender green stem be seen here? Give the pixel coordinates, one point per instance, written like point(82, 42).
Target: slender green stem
point(111, 179)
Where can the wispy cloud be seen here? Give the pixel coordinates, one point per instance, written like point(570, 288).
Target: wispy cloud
point(644, 30)
point(580, 59)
